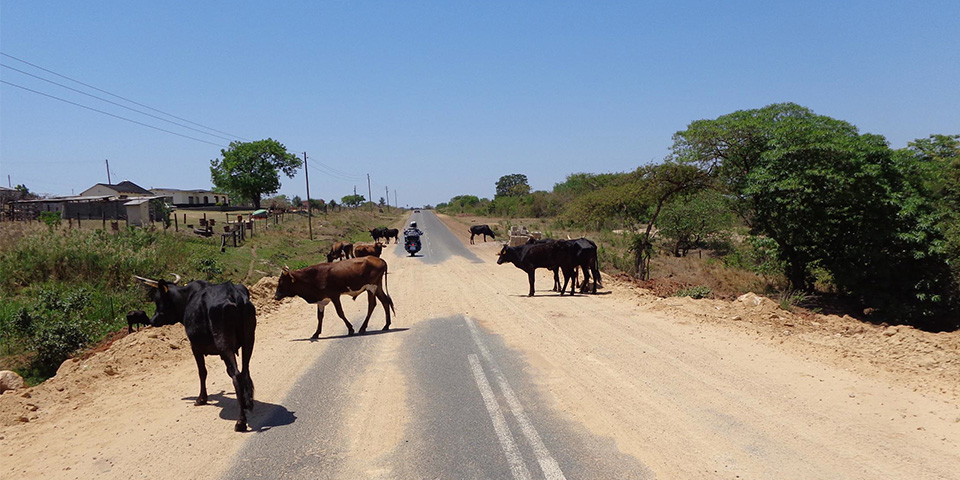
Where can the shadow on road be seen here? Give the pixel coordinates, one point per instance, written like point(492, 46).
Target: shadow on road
point(364, 334)
point(263, 417)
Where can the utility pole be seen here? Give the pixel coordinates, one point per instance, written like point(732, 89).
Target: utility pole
point(369, 192)
point(387, 189)
point(306, 173)
point(395, 198)
point(8, 182)
point(108, 171)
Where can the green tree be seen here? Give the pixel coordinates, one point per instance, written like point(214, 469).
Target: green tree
point(250, 170)
point(24, 191)
point(352, 200)
point(688, 221)
point(513, 185)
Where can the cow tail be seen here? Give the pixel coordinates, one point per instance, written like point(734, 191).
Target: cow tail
point(389, 299)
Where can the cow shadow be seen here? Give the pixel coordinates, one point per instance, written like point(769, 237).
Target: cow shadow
point(263, 417)
point(358, 335)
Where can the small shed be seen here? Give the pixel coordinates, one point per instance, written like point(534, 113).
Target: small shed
point(138, 211)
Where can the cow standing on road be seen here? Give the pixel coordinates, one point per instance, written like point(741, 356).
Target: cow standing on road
point(529, 257)
point(368, 250)
point(219, 320)
point(481, 230)
point(393, 233)
point(326, 282)
point(377, 233)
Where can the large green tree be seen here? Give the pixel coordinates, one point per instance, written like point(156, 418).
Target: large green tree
point(250, 170)
point(513, 185)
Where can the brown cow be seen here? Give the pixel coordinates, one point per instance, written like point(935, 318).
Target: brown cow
point(368, 250)
point(340, 250)
point(326, 282)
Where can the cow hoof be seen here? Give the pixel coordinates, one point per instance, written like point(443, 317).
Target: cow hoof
point(240, 427)
point(314, 337)
point(200, 401)
point(386, 328)
point(351, 333)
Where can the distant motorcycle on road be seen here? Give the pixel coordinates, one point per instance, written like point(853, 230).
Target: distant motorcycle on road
point(411, 239)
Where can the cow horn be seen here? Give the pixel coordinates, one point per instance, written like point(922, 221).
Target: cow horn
point(148, 282)
point(176, 278)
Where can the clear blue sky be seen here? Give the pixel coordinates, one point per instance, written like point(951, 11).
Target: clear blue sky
point(436, 99)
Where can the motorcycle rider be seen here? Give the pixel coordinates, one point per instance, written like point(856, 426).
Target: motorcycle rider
point(412, 230)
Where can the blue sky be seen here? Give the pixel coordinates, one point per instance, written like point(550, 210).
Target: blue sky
point(436, 99)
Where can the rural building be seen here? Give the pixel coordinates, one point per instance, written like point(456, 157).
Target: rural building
point(123, 189)
point(137, 211)
point(186, 198)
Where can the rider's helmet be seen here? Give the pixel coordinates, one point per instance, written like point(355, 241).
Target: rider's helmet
point(413, 224)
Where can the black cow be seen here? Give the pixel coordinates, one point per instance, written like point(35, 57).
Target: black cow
point(138, 318)
point(585, 256)
point(219, 320)
point(529, 257)
point(377, 233)
point(393, 233)
point(481, 230)
point(584, 253)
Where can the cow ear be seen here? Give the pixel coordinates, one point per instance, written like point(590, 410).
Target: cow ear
point(163, 286)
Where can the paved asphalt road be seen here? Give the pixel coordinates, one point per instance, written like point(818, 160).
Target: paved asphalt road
point(474, 411)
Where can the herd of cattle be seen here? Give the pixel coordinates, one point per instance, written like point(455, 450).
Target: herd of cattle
point(220, 319)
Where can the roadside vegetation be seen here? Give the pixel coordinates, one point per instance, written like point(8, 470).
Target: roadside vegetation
point(778, 200)
point(65, 289)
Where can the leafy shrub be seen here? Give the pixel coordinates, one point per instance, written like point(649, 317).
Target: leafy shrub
point(209, 266)
point(51, 219)
point(696, 292)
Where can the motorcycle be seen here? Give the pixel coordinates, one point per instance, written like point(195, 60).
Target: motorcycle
point(411, 243)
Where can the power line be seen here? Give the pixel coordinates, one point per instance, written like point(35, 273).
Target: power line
point(122, 98)
point(115, 103)
point(110, 114)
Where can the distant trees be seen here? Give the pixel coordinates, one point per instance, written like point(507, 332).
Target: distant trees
point(250, 170)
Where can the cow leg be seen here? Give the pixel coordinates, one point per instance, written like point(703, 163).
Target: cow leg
point(567, 277)
point(339, 307)
point(239, 386)
point(484, 238)
point(471, 239)
point(371, 304)
point(530, 278)
point(202, 369)
point(387, 304)
point(320, 307)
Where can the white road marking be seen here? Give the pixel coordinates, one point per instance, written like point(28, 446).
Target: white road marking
point(551, 470)
point(517, 467)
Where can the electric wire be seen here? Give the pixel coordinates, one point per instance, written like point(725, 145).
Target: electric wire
point(110, 114)
point(117, 104)
point(120, 97)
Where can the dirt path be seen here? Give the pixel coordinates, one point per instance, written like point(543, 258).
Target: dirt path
point(682, 385)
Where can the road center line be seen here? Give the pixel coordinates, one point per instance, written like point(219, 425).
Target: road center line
point(551, 470)
point(517, 467)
